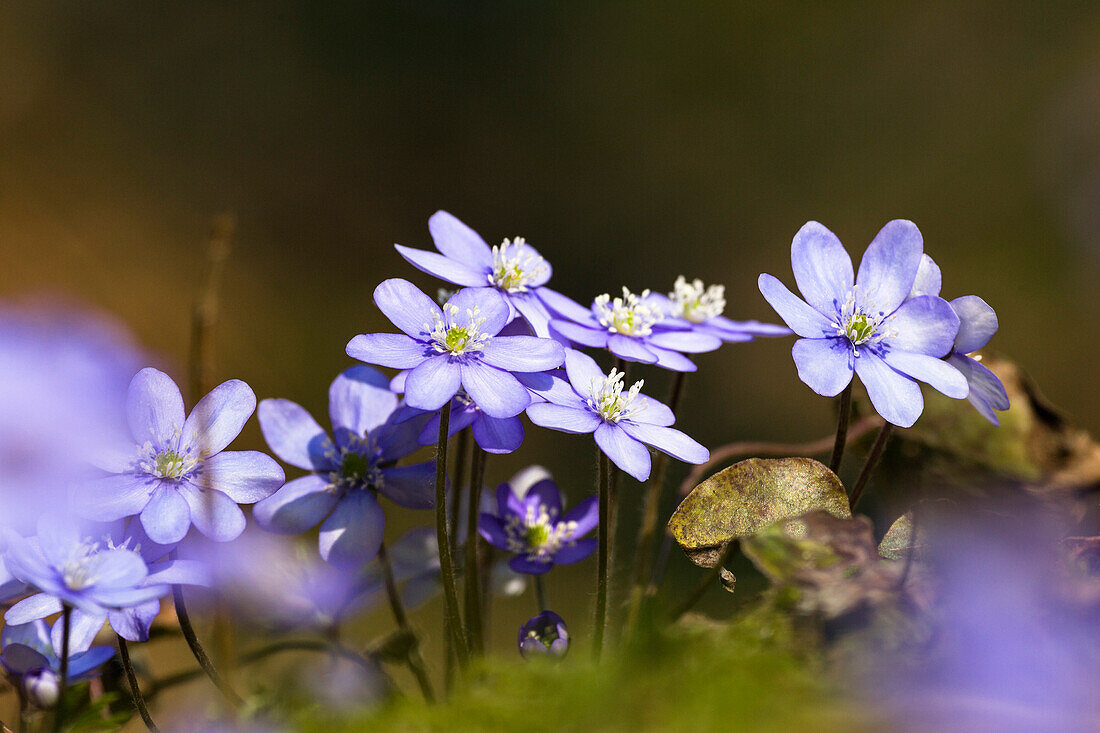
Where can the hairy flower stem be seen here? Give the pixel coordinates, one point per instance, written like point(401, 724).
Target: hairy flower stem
point(472, 568)
point(413, 659)
point(540, 594)
point(135, 688)
point(443, 540)
point(603, 471)
point(458, 479)
point(197, 649)
point(63, 684)
point(869, 467)
point(841, 428)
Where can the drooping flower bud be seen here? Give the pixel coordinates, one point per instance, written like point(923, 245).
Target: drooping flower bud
point(544, 634)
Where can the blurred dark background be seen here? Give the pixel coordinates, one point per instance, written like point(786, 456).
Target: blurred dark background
point(630, 142)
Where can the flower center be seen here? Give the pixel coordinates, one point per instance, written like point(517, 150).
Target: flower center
point(167, 463)
point(357, 463)
point(627, 315)
point(694, 302)
point(609, 401)
point(859, 328)
point(449, 337)
point(77, 572)
point(861, 324)
point(537, 534)
point(515, 266)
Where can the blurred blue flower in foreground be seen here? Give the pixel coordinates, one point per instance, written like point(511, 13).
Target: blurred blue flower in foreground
point(176, 472)
point(28, 656)
point(544, 635)
point(532, 527)
point(867, 324)
point(456, 347)
point(623, 424)
point(348, 470)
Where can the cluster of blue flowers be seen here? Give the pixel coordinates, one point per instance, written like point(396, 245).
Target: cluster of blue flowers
point(141, 471)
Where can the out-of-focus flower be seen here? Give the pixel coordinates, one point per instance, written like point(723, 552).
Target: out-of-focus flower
point(623, 424)
point(532, 527)
point(867, 324)
point(176, 472)
point(698, 307)
point(456, 347)
point(514, 268)
point(544, 635)
point(29, 657)
point(348, 470)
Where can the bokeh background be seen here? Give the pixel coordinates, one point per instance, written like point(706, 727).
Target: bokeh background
point(629, 141)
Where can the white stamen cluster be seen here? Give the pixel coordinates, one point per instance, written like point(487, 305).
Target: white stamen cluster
point(448, 337)
point(697, 303)
point(609, 401)
point(167, 463)
point(537, 534)
point(861, 324)
point(77, 573)
point(627, 315)
point(515, 266)
point(357, 468)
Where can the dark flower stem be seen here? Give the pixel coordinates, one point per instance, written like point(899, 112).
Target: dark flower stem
point(443, 540)
point(66, 628)
point(841, 428)
point(869, 467)
point(704, 586)
point(540, 594)
point(458, 479)
point(197, 649)
point(135, 687)
point(603, 471)
point(472, 568)
point(414, 660)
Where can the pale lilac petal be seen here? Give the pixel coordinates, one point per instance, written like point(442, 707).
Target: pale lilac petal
point(924, 325)
point(583, 334)
point(83, 628)
point(977, 323)
point(630, 348)
point(825, 365)
point(889, 267)
point(667, 440)
point(406, 306)
point(822, 268)
point(938, 374)
point(564, 306)
point(551, 388)
point(533, 311)
point(352, 534)
point(167, 517)
point(496, 392)
point(625, 452)
point(725, 326)
point(803, 319)
point(895, 396)
point(430, 385)
point(486, 302)
point(298, 506)
point(653, 412)
point(586, 514)
point(492, 529)
point(244, 476)
point(689, 342)
point(458, 241)
point(113, 497)
point(293, 434)
point(928, 280)
point(394, 350)
point(133, 624)
point(523, 353)
point(583, 371)
point(213, 513)
point(397, 383)
point(412, 487)
point(359, 400)
point(32, 608)
point(565, 419)
point(673, 360)
point(444, 267)
point(498, 435)
point(179, 572)
point(154, 407)
point(575, 551)
point(544, 493)
point(218, 417)
point(117, 569)
point(986, 391)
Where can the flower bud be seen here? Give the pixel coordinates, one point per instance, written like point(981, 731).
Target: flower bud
point(544, 634)
point(43, 687)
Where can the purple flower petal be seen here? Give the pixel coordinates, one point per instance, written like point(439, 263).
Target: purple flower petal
point(488, 303)
point(803, 320)
point(565, 419)
point(690, 342)
point(293, 434)
point(653, 412)
point(394, 350)
point(167, 516)
point(673, 360)
point(352, 534)
point(117, 569)
point(533, 311)
point(496, 392)
point(551, 388)
point(430, 385)
point(492, 529)
point(406, 306)
point(924, 325)
point(154, 407)
point(575, 552)
point(822, 267)
point(896, 397)
point(586, 514)
point(523, 353)
point(928, 280)
point(32, 608)
point(630, 348)
point(397, 383)
point(889, 267)
point(298, 506)
point(625, 452)
point(825, 365)
point(218, 417)
point(594, 336)
point(179, 572)
point(359, 400)
point(521, 564)
point(934, 372)
point(977, 323)
point(244, 476)
point(83, 628)
point(754, 328)
point(507, 501)
point(412, 487)
point(113, 497)
point(458, 241)
point(81, 664)
point(460, 420)
point(498, 435)
point(213, 513)
point(544, 493)
point(668, 440)
point(986, 391)
point(564, 306)
point(443, 267)
point(583, 372)
point(133, 624)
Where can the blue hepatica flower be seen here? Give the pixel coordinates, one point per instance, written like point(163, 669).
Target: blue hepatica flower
point(348, 470)
point(456, 347)
point(544, 635)
point(532, 527)
point(693, 305)
point(866, 324)
point(623, 423)
point(632, 327)
point(28, 654)
point(514, 268)
point(176, 472)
